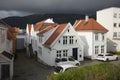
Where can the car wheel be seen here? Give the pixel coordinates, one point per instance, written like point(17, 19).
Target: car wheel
point(116, 58)
point(107, 59)
point(77, 64)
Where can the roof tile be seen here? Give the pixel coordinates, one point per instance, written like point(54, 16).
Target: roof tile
point(55, 34)
point(90, 25)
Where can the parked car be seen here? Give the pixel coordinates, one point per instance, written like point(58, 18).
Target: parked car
point(62, 68)
point(60, 61)
point(107, 57)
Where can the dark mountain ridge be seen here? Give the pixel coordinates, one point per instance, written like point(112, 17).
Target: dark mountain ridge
point(32, 19)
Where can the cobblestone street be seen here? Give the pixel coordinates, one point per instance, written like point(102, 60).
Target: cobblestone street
point(26, 68)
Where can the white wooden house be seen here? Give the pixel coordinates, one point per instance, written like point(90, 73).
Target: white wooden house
point(56, 41)
point(6, 57)
point(94, 36)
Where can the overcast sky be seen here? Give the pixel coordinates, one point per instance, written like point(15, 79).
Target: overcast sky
point(24, 7)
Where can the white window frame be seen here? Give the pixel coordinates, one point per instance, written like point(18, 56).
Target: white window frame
point(65, 39)
point(102, 49)
point(114, 34)
point(71, 39)
point(96, 37)
point(96, 49)
point(103, 36)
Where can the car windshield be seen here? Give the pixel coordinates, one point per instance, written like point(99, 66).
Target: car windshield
point(100, 55)
point(71, 59)
point(64, 59)
point(58, 69)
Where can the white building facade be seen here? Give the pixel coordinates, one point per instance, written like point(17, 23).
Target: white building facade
point(93, 35)
point(59, 42)
point(110, 19)
point(6, 57)
point(53, 41)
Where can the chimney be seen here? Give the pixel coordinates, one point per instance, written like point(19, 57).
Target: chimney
point(86, 18)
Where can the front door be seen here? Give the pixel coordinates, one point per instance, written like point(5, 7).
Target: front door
point(75, 53)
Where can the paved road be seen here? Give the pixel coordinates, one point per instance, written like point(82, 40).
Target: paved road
point(26, 68)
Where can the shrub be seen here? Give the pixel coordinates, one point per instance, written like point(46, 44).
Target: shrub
point(103, 71)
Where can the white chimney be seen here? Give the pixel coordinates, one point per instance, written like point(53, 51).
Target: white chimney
point(86, 18)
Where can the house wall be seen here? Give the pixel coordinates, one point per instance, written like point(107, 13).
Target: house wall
point(77, 43)
point(3, 38)
point(106, 18)
point(9, 46)
point(89, 39)
point(48, 54)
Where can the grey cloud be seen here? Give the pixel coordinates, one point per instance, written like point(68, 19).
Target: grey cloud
point(4, 13)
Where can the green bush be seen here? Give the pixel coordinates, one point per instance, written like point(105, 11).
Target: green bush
point(103, 71)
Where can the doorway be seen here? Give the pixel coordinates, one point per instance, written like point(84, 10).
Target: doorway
point(75, 53)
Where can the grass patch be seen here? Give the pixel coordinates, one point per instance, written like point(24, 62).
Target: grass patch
point(103, 71)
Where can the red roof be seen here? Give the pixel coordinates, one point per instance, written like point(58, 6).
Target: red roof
point(47, 29)
point(55, 34)
point(42, 25)
point(91, 24)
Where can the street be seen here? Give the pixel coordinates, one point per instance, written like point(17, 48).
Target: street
point(26, 68)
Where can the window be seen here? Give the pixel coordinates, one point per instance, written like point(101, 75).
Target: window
point(64, 39)
point(119, 24)
point(96, 36)
point(96, 49)
point(103, 37)
point(68, 30)
point(119, 34)
point(58, 53)
point(102, 49)
point(115, 24)
point(71, 39)
point(115, 34)
point(115, 15)
point(65, 53)
point(59, 41)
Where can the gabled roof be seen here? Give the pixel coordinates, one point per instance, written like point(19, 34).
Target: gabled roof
point(47, 29)
point(42, 25)
point(55, 34)
point(91, 24)
point(3, 24)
